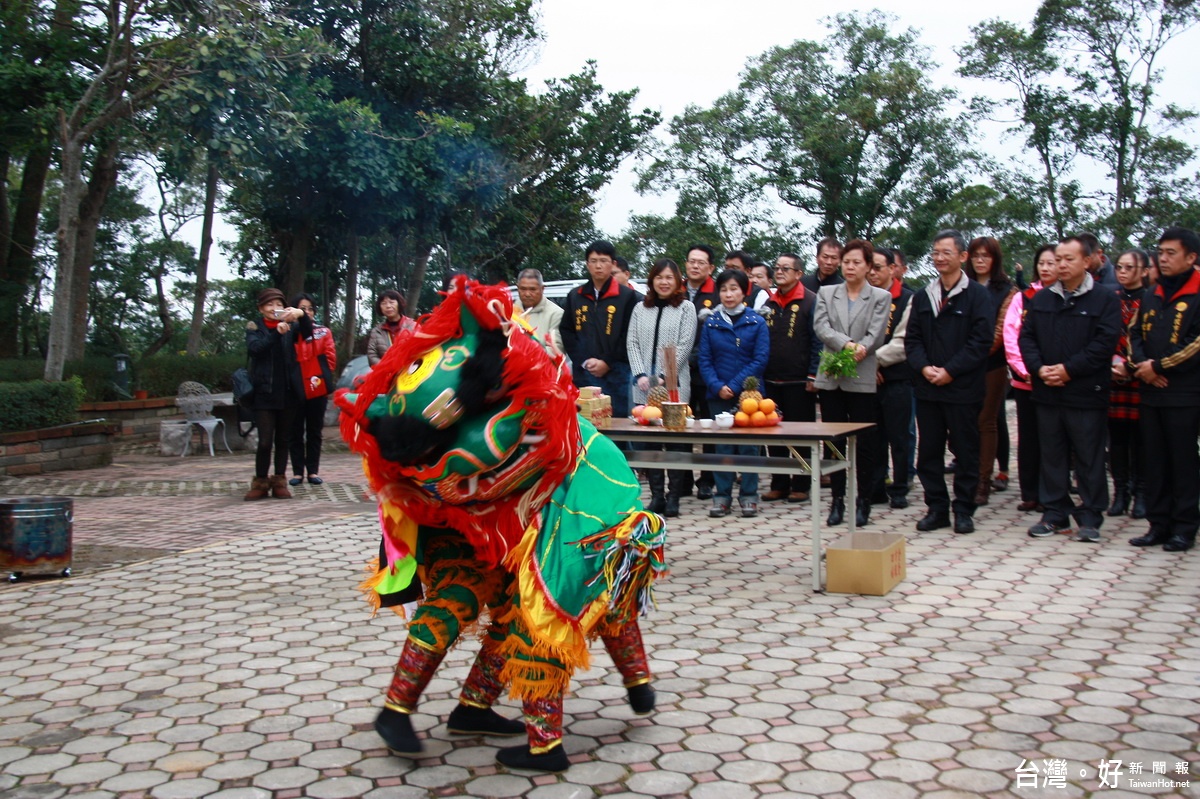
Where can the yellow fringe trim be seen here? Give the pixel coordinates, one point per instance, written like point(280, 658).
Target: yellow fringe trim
point(369, 584)
point(398, 708)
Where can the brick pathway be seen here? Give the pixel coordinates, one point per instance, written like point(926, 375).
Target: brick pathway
point(242, 664)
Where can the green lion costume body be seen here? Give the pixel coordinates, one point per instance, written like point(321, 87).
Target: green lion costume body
point(497, 501)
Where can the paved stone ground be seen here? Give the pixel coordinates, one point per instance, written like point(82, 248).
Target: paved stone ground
point(240, 662)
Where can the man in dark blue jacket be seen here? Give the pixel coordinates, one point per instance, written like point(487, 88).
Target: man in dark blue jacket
point(1067, 340)
point(947, 342)
point(1164, 340)
point(593, 327)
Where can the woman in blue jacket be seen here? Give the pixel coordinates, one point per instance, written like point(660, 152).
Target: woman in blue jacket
point(734, 344)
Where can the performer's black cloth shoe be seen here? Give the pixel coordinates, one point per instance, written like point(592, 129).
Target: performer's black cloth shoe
point(397, 732)
point(520, 757)
point(467, 720)
point(641, 699)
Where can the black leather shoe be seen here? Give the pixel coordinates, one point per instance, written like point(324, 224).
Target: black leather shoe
point(672, 509)
point(396, 730)
point(641, 699)
point(467, 720)
point(520, 757)
point(862, 515)
point(963, 523)
point(837, 511)
point(1179, 543)
point(658, 504)
point(1120, 503)
point(933, 521)
point(899, 503)
point(704, 492)
point(1152, 538)
point(1139, 507)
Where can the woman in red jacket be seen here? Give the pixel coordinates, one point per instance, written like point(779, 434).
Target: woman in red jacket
point(317, 359)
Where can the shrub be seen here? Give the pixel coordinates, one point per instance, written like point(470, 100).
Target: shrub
point(162, 374)
point(35, 404)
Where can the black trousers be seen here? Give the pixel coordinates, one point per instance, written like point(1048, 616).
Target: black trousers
point(1064, 430)
point(848, 406)
point(1029, 459)
point(939, 423)
point(307, 425)
point(274, 430)
point(1171, 469)
point(797, 404)
point(1125, 454)
point(1003, 442)
point(893, 414)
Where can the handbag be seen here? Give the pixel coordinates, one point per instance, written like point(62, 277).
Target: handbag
point(243, 388)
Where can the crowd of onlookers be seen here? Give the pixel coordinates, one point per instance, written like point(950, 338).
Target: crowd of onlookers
point(1101, 358)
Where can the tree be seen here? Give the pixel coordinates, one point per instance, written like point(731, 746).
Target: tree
point(1114, 46)
point(1045, 113)
point(849, 131)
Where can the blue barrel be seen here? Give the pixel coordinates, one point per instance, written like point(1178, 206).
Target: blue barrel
point(35, 536)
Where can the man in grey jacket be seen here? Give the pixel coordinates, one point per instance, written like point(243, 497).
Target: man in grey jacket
point(541, 314)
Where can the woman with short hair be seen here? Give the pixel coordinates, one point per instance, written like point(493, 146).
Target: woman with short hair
point(390, 305)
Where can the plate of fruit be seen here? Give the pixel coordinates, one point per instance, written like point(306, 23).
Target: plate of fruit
point(753, 409)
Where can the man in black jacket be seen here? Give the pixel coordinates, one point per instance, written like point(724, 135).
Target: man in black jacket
point(792, 363)
point(1067, 339)
point(947, 342)
point(593, 327)
point(1164, 341)
point(829, 262)
point(894, 396)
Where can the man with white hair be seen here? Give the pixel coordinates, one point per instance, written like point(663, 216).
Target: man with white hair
point(542, 314)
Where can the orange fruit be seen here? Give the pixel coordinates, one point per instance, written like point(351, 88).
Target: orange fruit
point(767, 406)
point(652, 413)
point(758, 419)
point(741, 419)
point(773, 419)
point(749, 405)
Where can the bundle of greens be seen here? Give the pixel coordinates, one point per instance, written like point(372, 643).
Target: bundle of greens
point(839, 364)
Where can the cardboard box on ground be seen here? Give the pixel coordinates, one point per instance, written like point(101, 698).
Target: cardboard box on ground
point(865, 563)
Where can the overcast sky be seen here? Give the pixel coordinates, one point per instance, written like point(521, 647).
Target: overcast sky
point(678, 52)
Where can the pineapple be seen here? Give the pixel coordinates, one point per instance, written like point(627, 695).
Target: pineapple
point(657, 396)
point(750, 391)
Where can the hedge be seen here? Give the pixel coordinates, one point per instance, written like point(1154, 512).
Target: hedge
point(160, 376)
point(36, 404)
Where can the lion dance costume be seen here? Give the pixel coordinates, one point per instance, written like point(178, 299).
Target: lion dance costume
point(493, 493)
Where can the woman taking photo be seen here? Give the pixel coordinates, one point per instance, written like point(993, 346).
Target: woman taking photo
point(271, 344)
point(1028, 459)
point(986, 266)
point(317, 359)
point(664, 317)
point(389, 305)
point(852, 316)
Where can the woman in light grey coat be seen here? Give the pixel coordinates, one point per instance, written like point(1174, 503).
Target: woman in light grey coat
point(664, 317)
point(852, 316)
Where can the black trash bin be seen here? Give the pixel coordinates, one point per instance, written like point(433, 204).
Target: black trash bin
point(35, 536)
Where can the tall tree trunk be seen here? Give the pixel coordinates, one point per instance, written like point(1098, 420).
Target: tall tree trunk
point(206, 239)
point(91, 207)
point(296, 268)
point(17, 265)
point(417, 279)
point(350, 318)
point(5, 220)
point(164, 314)
point(59, 340)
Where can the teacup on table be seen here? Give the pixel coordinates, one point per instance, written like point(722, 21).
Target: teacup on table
point(706, 424)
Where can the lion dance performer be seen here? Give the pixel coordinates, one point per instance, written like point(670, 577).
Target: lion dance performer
point(493, 492)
